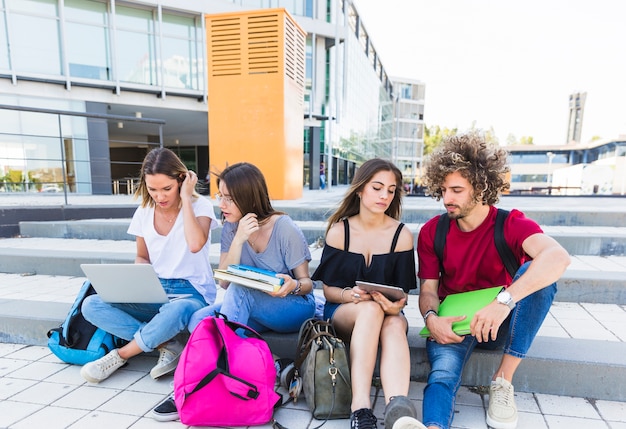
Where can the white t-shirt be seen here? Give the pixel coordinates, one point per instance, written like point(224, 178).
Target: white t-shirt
point(169, 254)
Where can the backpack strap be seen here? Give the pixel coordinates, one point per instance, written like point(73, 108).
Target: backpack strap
point(443, 225)
point(506, 254)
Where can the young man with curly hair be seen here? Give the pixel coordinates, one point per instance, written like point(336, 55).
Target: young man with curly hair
point(469, 175)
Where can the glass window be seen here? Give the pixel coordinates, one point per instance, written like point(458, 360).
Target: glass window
point(43, 7)
point(4, 43)
point(89, 12)
point(135, 46)
point(134, 19)
point(136, 58)
point(178, 26)
point(35, 52)
point(88, 51)
point(179, 52)
point(87, 39)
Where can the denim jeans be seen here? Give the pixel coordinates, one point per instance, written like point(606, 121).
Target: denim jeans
point(259, 310)
point(149, 324)
point(448, 360)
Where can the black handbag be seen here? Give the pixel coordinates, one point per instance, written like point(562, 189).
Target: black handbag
point(323, 365)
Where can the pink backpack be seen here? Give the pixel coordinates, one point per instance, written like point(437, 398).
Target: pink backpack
point(223, 379)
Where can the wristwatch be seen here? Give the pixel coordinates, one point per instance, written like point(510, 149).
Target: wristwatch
point(505, 298)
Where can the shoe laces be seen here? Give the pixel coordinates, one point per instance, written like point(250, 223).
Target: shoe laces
point(110, 360)
point(501, 394)
point(165, 355)
point(363, 419)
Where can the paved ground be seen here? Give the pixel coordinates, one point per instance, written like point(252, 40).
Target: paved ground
point(37, 390)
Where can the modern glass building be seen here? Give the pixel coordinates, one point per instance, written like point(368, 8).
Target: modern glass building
point(88, 86)
point(598, 167)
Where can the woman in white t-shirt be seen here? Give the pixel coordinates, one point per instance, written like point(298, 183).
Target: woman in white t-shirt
point(172, 227)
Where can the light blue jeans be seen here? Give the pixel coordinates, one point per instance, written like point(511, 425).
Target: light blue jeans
point(447, 361)
point(149, 324)
point(259, 310)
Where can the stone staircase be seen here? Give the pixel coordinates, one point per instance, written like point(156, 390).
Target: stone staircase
point(561, 361)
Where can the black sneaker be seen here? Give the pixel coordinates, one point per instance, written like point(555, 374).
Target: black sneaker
point(166, 411)
point(363, 418)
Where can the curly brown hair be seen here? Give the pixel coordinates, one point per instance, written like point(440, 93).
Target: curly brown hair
point(483, 164)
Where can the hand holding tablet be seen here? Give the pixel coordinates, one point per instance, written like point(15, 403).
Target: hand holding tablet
point(392, 293)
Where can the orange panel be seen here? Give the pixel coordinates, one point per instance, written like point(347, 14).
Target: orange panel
point(256, 94)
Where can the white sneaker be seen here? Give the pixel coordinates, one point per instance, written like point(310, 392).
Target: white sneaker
point(169, 354)
point(408, 422)
point(502, 412)
point(101, 369)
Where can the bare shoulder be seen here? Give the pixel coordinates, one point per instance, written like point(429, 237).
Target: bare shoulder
point(406, 240)
point(335, 236)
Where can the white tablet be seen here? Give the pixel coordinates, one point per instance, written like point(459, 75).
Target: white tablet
point(392, 293)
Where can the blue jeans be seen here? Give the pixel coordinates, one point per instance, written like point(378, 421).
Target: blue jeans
point(259, 310)
point(447, 361)
point(149, 324)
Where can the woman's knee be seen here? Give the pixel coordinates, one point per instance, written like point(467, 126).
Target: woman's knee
point(91, 305)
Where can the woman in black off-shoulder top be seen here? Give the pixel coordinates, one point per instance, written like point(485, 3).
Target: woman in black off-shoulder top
point(366, 241)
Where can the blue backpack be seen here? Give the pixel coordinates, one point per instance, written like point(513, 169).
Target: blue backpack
point(77, 341)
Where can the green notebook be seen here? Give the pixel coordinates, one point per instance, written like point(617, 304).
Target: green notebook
point(464, 304)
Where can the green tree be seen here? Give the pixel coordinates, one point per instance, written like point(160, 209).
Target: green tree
point(434, 135)
point(526, 140)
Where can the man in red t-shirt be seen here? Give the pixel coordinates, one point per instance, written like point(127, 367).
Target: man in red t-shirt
point(469, 175)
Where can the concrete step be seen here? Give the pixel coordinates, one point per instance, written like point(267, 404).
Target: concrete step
point(577, 240)
point(593, 279)
point(578, 352)
point(315, 206)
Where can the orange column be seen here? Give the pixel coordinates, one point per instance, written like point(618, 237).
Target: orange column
point(256, 94)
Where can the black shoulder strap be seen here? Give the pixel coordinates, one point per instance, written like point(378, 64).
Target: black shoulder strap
point(346, 235)
point(506, 254)
point(443, 225)
point(394, 242)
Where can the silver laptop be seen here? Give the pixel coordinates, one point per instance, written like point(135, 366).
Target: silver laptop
point(126, 283)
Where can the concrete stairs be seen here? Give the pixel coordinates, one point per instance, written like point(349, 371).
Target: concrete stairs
point(46, 258)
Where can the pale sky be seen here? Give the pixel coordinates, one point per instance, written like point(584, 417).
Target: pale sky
point(510, 65)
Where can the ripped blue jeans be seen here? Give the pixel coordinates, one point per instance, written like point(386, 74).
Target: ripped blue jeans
point(447, 361)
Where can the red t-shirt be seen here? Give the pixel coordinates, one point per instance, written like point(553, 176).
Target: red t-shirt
point(470, 259)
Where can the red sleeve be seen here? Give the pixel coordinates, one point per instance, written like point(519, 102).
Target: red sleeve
point(517, 229)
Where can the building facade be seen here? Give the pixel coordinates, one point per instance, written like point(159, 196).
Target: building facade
point(407, 145)
point(596, 168)
point(88, 86)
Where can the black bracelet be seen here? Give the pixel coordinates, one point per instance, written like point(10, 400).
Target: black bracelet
point(428, 313)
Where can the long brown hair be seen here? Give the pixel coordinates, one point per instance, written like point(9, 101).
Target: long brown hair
point(350, 205)
point(248, 189)
point(160, 161)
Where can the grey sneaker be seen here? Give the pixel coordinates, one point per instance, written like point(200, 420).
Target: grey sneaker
point(400, 413)
point(101, 369)
point(502, 413)
point(169, 353)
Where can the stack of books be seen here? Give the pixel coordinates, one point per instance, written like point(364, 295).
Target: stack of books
point(246, 275)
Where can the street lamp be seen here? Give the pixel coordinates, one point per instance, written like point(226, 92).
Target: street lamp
point(550, 156)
